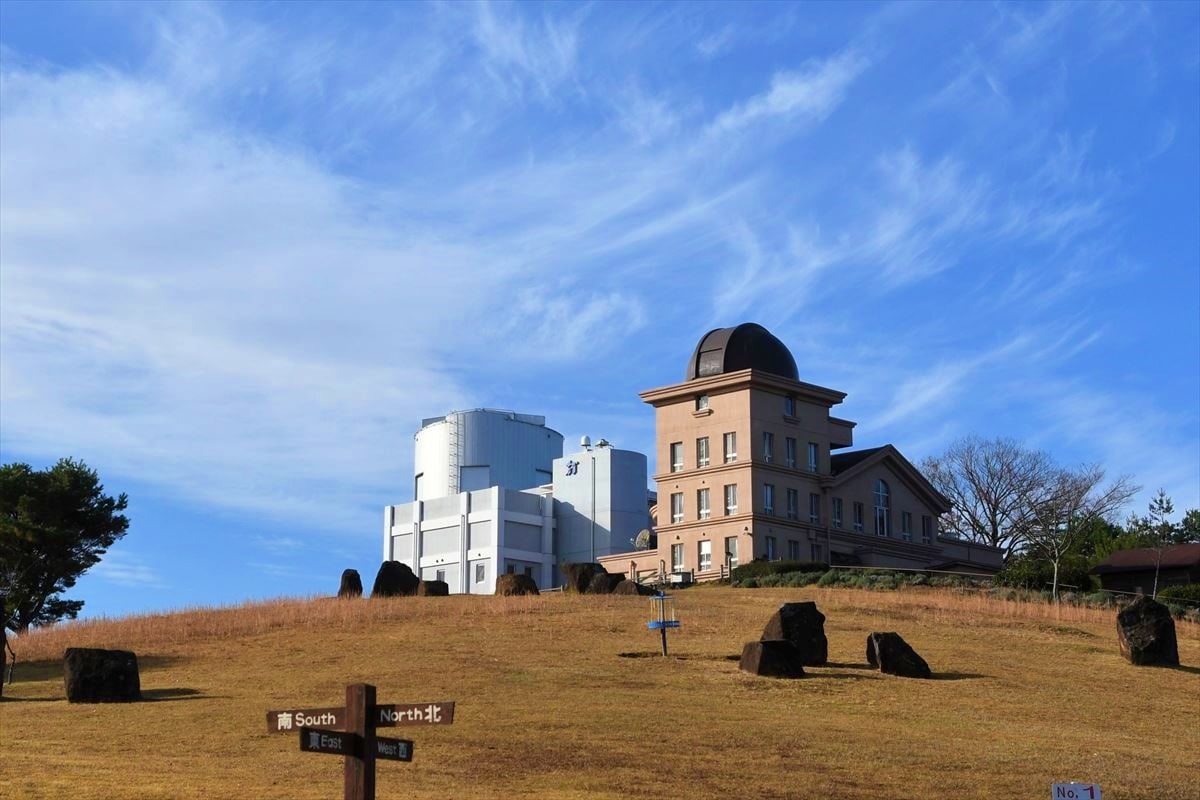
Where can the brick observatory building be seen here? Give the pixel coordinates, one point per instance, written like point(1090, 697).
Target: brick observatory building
point(748, 466)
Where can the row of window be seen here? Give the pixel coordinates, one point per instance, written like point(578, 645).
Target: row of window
point(789, 405)
point(883, 510)
point(704, 553)
point(729, 440)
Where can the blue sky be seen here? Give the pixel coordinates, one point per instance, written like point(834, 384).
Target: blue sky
point(245, 248)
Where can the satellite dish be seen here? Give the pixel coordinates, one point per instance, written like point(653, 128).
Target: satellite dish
point(642, 541)
point(585, 442)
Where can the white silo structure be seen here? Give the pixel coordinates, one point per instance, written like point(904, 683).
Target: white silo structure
point(483, 447)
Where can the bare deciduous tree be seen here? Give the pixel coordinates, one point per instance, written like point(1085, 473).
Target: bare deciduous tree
point(1063, 509)
point(989, 482)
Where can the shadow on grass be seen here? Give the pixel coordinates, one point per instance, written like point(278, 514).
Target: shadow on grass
point(1189, 670)
point(52, 668)
point(957, 676)
point(841, 665)
point(175, 693)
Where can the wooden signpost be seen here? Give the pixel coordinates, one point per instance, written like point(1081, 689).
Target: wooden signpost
point(349, 732)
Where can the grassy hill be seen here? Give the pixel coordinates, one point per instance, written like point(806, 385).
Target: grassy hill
point(558, 696)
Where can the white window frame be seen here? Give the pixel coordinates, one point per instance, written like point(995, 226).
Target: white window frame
point(814, 508)
point(768, 447)
point(701, 402)
point(906, 526)
point(704, 551)
point(789, 406)
point(926, 529)
point(703, 509)
point(730, 496)
point(772, 547)
point(814, 457)
point(676, 451)
point(731, 547)
point(883, 508)
point(480, 573)
point(677, 558)
point(702, 451)
point(729, 446)
point(859, 515)
point(769, 498)
point(790, 452)
point(836, 513)
point(677, 507)
point(793, 550)
point(793, 504)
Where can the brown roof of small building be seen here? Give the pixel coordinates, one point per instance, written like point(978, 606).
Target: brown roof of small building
point(1179, 555)
point(745, 346)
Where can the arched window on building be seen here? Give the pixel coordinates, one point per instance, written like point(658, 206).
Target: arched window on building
point(883, 509)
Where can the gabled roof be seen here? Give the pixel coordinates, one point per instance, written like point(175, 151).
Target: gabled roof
point(1142, 558)
point(846, 465)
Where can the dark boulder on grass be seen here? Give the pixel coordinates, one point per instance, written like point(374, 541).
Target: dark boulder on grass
point(351, 584)
point(101, 676)
point(891, 654)
point(1146, 634)
point(776, 658)
point(395, 579)
point(802, 625)
point(626, 586)
point(433, 589)
point(604, 583)
point(578, 577)
point(509, 585)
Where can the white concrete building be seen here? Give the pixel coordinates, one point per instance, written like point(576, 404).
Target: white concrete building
point(520, 522)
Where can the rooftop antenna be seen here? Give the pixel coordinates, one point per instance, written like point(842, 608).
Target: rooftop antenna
point(603, 443)
point(585, 442)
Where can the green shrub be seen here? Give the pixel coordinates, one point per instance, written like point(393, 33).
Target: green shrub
point(1099, 599)
point(1190, 591)
point(1028, 572)
point(757, 569)
point(748, 583)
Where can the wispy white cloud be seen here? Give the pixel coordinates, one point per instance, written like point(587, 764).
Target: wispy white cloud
point(808, 94)
point(125, 569)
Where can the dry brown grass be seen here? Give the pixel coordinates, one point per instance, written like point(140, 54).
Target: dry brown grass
point(548, 707)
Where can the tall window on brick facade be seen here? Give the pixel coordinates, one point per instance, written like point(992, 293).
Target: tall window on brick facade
point(768, 452)
point(793, 550)
point(789, 453)
point(883, 509)
point(768, 498)
point(702, 402)
point(702, 508)
point(676, 456)
point(813, 456)
point(906, 525)
point(730, 440)
point(702, 451)
point(771, 548)
point(731, 551)
point(730, 499)
point(677, 507)
point(858, 517)
point(926, 529)
point(676, 558)
point(836, 514)
point(705, 555)
point(789, 406)
point(814, 508)
point(793, 504)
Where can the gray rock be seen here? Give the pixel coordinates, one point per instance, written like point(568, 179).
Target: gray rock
point(433, 589)
point(802, 625)
point(1146, 634)
point(395, 579)
point(351, 584)
point(509, 585)
point(891, 654)
point(101, 676)
point(578, 577)
point(603, 583)
point(627, 586)
point(776, 658)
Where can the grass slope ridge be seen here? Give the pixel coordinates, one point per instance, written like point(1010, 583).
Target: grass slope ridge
point(1026, 695)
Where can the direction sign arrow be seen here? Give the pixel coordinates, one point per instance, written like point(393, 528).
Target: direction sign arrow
point(415, 714)
point(394, 749)
point(388, 715)
point(338, 743)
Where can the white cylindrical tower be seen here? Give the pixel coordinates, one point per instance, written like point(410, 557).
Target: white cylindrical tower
point(471, 450)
